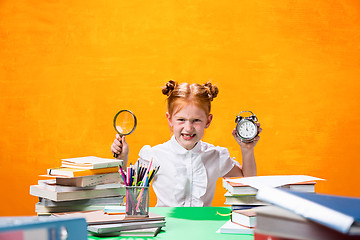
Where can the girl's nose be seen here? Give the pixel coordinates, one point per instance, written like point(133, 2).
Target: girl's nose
point(188, 125)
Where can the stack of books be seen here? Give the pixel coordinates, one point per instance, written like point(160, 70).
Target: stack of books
point(241, 222)
point(80, 184)
point(240, 196)
point(103, 224)
point(301, 215)
point(243, 198)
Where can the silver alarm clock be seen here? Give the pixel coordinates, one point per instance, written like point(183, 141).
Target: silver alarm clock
point(246, 127)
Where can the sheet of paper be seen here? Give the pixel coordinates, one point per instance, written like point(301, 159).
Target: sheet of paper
point(273, 180)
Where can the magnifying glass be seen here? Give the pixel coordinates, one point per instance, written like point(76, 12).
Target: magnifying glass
point(124, 123)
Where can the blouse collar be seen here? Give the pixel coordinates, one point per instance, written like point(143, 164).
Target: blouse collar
point(177, 148)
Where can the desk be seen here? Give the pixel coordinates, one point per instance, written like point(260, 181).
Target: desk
point(187, 223)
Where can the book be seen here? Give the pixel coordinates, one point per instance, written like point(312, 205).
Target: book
point(43, 210)
point(115, 209)
point(231, 199)
point(283, 224)
point(246, 218)
point(244, 207)
point(90, 180)
point(146, 232)
point(337, 212)
point(42, 192)
point(101, 229)
point(77, 172)
point(90, 162)
point(41, 228)
point(264, 236)
point(115, 200)
point(235, 188)
point(273, 180)
point(230, 227)
point(99, 217)
point(301, 187)
point(51, 185)
point(238, 188)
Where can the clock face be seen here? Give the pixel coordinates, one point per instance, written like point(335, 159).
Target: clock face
point(247, 129)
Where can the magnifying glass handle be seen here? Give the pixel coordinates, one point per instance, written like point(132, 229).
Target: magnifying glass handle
point(115, 154)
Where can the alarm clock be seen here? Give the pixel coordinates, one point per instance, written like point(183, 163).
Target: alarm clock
point(246, 128)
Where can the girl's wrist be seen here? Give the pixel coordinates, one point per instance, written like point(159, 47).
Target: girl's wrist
point(247, 151)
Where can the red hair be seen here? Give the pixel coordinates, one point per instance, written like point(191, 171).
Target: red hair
point(182, 94)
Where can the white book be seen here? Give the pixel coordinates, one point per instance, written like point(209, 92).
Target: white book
point(43, 192)
point(90, 162)
point(242, 200)
point(146, 232)
point(115, 200)
point(246, 217)
point(250, 185)
point(273, 180)
point(91, 180)
point(51, 185)
point(116, 227)
point(230, 227)
point(41, 209)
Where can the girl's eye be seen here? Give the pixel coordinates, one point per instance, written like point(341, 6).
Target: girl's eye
point(180, 120)
point(197, 120)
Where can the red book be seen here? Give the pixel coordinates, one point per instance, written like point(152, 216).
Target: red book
point(264, 236)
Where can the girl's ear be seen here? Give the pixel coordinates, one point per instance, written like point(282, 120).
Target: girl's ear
point(209, 119)
point(168, 117)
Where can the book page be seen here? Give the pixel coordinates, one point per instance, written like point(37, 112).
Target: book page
point(273, 181)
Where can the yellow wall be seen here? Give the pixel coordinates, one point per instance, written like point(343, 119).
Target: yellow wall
point(66, 68)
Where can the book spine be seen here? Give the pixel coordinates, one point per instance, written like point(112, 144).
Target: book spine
point(73, 172)
point(92, 166)
point(118, 200)
point(88, 181)
point(101, 179)
point(88, 172)
point(58, 188)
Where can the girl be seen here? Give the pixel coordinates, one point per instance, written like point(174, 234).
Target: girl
point(189, 167)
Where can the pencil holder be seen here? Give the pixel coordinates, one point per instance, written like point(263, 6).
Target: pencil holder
point(137, 201)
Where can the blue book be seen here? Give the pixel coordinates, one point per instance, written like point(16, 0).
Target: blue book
point(43, 228)
point(336, 212)
point(244, 207)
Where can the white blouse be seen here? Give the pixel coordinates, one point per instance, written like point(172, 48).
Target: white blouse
point(187, 178)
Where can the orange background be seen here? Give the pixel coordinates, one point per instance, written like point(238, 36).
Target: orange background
point(67, 67)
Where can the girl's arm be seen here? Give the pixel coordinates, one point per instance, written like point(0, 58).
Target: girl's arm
point(248, 168)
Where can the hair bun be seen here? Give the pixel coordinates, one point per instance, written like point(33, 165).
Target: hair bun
point(169, 87)
point(212, 90)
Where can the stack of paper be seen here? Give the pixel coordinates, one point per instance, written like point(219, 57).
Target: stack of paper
point(102, 224)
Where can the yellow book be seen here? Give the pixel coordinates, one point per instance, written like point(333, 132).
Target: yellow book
point(77, 172)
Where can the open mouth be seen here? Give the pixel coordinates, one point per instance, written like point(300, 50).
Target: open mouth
point(188, 136)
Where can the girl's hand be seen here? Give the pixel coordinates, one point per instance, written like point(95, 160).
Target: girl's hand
point(120, 147)
point(249, 145)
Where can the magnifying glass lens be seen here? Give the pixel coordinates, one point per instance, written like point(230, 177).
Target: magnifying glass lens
point(124, 123)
